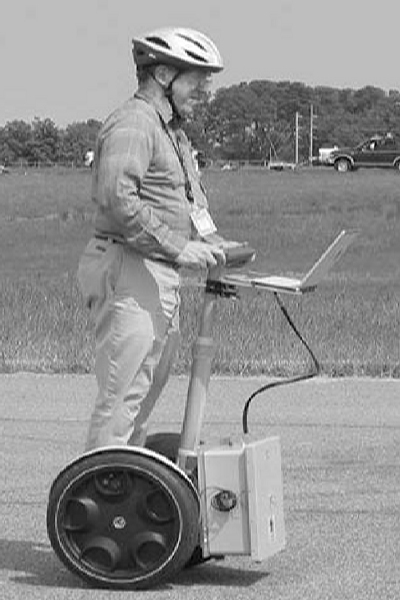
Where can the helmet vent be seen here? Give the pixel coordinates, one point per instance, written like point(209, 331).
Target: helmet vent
point(193, 41)
point(196, 57)
point(159, 42)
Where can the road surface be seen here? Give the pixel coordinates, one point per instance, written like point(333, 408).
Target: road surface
point(341, 465)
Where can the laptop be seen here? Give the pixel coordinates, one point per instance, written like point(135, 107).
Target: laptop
point(309, 282)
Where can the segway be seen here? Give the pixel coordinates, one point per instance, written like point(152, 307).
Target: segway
point(132, 517)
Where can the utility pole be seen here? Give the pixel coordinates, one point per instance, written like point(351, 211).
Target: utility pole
point(296, 146)
point(311, 133)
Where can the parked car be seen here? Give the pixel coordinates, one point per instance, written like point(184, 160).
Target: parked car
point(377, 151)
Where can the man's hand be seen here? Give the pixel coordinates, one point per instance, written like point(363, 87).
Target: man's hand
point(201, 255)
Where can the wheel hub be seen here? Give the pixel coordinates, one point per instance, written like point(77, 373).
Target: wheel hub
point(119, 522)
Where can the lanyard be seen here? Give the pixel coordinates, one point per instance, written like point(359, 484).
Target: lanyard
point(175, 145)
point(178, 151)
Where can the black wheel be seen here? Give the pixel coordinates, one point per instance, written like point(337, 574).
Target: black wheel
point(342, 165)
point(123, 518)
point(167, 444)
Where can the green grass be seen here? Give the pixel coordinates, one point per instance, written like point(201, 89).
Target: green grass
point(352, 322)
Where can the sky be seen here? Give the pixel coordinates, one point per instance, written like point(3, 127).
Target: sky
point(71, 60)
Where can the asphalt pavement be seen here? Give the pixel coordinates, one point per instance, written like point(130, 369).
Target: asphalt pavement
point(341, 466)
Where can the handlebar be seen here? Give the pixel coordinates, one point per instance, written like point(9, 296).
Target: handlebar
point(238, 256)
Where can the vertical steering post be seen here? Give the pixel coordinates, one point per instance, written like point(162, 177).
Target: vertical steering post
point(203, 353)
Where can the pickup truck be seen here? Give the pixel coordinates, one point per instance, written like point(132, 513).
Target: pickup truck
point(377, 151)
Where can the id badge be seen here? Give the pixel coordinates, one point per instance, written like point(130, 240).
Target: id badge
point(203, 222)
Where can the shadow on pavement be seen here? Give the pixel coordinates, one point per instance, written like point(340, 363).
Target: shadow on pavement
point(218, 573)
point(35, 564)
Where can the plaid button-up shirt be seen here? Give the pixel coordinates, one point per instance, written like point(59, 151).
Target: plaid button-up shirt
point(138, 179)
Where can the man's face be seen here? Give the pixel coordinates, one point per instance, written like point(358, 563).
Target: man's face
point(189, 89)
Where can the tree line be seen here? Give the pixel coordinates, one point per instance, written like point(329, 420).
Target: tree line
point(247, 121)
point(252, 121)
point(42, 142)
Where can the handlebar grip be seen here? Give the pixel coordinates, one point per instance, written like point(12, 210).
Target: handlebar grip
point(237, 256)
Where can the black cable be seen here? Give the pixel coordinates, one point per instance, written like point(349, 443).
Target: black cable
point(274, 384)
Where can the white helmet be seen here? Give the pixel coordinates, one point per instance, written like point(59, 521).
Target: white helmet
point(177, 46)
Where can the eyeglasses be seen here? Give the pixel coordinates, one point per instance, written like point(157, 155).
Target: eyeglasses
point(198, 81)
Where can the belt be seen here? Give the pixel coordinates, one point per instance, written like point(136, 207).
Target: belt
point(107, 238)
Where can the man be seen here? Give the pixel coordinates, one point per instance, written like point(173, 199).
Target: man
point(151, 220)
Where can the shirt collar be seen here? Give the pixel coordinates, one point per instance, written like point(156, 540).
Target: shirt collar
point(161, 105)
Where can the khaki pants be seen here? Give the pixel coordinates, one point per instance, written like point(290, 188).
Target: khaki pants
point(134, 303)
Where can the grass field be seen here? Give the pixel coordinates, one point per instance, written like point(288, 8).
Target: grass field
point(352, 322)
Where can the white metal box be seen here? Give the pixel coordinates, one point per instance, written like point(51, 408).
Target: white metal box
point(240, 488)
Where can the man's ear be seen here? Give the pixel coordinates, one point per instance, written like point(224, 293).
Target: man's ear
point(164, 74)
